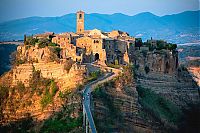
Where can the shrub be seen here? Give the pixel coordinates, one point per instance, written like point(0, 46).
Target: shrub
point(20, 61)
point(20, 87)
point(31, 41)
point(52, 44)
point(113, 66)
point(62, 123)
point(57, 51)
point(42, 45)
point(46, 99)
point(94, 75)
point(61, 95)
point(4, 93)
point(54, 88)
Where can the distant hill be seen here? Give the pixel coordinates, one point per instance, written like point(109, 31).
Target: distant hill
point(177, 28)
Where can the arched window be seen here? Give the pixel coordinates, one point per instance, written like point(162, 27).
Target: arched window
point(80, 16)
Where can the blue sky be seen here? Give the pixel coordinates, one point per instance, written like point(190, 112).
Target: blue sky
point(14, 9)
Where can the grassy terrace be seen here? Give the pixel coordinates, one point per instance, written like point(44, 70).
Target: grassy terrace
point(157, 106)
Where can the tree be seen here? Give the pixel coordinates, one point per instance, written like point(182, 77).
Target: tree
point(138, 42)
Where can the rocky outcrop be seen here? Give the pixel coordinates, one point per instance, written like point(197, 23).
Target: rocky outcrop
point(24, 102)
point(195, 71)
point(158, 71)
point(179, 86)
point(116, 107)
point(52, 70)
point(36, 54)
point(163, 61)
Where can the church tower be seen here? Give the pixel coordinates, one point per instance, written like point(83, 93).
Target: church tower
point(80, 22)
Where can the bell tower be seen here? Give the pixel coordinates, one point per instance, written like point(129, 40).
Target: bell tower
point(80, 22)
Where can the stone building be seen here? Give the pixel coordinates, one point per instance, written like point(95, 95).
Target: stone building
point(91, 45)
point(63, 40)
point(80, 22)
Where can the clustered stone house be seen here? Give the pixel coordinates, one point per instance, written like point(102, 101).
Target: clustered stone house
point(90, 45)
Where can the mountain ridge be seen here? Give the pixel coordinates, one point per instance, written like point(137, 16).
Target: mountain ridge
point(145, 24)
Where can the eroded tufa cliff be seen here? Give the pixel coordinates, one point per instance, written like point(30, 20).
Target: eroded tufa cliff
point(117, 108)
point(162, 61)
point(35, 86)
point(36, 54)
point(159, 71)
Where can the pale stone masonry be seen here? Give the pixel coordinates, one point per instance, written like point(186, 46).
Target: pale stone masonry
point(90, 45)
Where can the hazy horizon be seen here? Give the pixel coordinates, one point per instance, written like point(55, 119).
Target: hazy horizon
point(12, 10)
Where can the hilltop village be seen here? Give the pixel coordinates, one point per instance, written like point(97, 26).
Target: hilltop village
point(50, 71)
point(86, 46)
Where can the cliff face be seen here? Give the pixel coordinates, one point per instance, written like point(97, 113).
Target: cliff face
point(159, 72)
point(162, 61)
point(117, 108)
point(195, 71)
point(29, 58)
point(52, 70)
point(152, 102)
point(38, 88)
point(36, 54)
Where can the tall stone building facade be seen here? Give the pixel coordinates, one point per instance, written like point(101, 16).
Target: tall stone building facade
point(80, 22)
point(90, 45)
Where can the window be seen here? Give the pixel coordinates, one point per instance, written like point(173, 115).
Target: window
point(80, 16)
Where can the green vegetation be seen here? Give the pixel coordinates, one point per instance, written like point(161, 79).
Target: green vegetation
point(50, 92)
point(94, 75)
point(4, 93)
point(31, 41)
point(52, 44)
point(19, 62)
point(62, 124)
point(162, 45)
point(158, 106)
point(57, 50)
point(114, 66)
point(65, 120)
point(39, 84)
point(46, 99)
point(43, 42)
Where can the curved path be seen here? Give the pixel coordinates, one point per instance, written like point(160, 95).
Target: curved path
point(87, 94)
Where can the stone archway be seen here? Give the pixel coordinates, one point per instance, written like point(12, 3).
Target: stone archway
point(96, 56)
